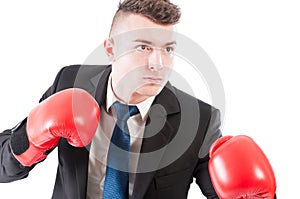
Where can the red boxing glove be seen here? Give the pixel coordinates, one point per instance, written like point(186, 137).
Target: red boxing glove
point(239, 169)
point(72, 114)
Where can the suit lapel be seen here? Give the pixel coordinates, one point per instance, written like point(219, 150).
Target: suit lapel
point(93, 79)
point(153, 145)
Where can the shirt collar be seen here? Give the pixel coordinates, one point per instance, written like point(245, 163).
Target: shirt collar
point(143, 106)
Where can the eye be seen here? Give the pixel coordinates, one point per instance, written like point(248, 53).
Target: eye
point(169, 49)
point(143, 48)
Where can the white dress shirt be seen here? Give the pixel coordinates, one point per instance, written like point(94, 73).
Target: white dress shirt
point(100, 143)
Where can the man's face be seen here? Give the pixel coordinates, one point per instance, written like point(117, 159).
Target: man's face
point(141, 52)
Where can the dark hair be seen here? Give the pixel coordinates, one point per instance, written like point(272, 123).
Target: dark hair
point(159, 11)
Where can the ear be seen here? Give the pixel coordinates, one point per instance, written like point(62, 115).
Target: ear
point(108, 46)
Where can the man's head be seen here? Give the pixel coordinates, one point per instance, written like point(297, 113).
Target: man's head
point(140, 47)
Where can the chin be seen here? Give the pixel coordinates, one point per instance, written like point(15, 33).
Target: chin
point(150, 90)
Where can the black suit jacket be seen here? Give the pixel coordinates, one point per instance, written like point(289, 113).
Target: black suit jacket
point(187, 127)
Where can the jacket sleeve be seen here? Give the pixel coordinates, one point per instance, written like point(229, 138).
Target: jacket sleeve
point(15, 140)
point(201, 172)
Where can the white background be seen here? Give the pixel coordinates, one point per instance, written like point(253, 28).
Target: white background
point(254, 44)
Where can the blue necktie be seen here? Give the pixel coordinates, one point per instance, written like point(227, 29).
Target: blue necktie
point(117, 176)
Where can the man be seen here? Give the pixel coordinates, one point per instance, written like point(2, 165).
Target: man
point(164, 140)
point(141, 50)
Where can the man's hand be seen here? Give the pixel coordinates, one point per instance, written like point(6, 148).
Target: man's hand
point(72, 114)
point(239, 169)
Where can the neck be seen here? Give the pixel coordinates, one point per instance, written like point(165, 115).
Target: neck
point(135, 98)
point(126, 96)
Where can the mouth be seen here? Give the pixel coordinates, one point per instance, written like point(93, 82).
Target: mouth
point(153, 80)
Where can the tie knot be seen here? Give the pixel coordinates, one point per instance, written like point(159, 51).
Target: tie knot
point(124, 111)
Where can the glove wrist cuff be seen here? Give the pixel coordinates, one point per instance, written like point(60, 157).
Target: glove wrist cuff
point(31, 156)
point(19, 141)
point(25, 152)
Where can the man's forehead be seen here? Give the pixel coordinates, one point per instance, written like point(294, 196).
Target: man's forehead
point(158, 36)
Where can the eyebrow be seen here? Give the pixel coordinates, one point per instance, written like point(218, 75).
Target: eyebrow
point(150, 43)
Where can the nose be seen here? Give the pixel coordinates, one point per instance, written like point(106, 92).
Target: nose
point(155, 60)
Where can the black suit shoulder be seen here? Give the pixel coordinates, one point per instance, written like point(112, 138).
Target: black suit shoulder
point(73, 75)
point(76, 76)
point(189, 98)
